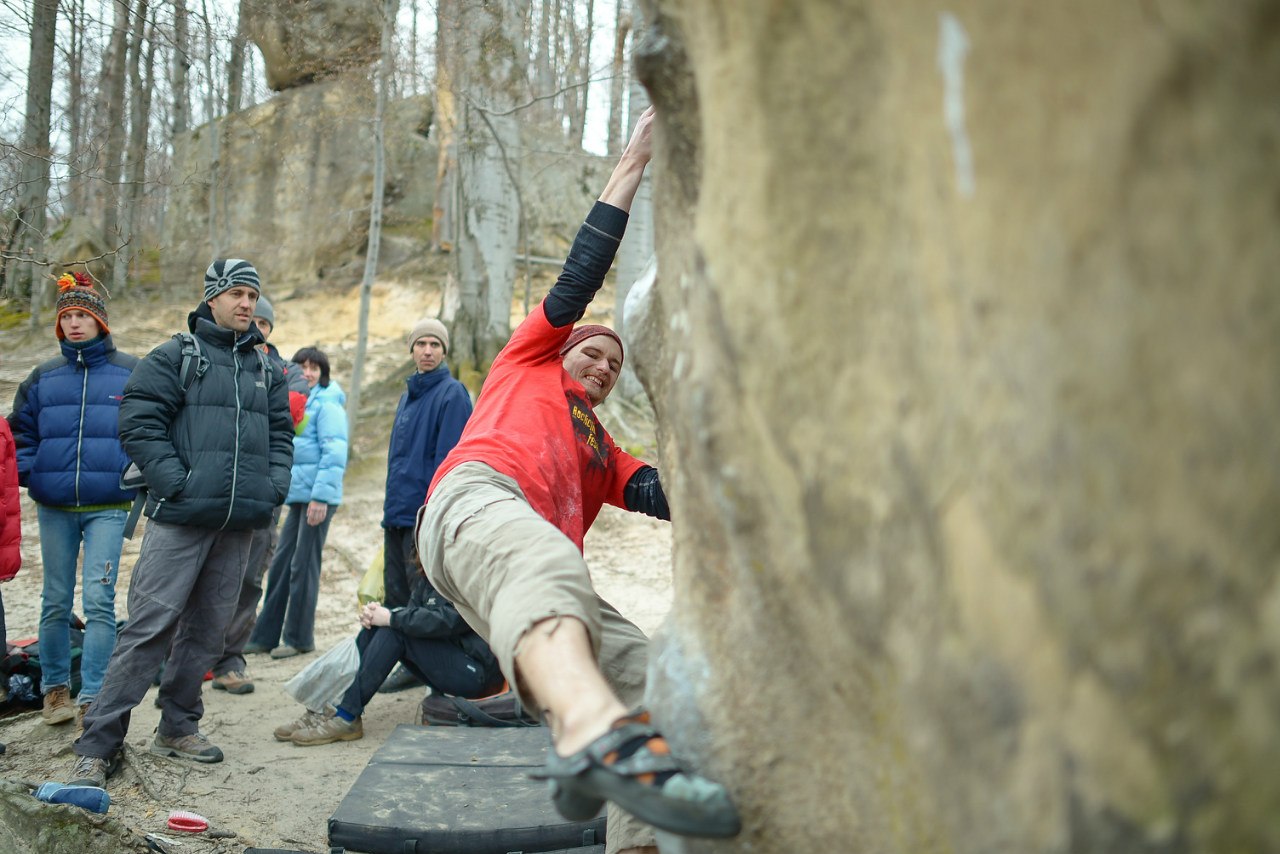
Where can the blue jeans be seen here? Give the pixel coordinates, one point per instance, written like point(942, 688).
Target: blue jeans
point(61, 534)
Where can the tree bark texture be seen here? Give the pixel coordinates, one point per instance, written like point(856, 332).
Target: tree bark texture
point(180, 66)
point(24, 276)
point(385, 73)
point(478, 304)
point(135, 173)
point(116, 69)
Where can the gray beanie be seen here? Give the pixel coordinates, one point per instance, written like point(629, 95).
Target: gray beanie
point(227, 273)
point(265, 311)
point(428, 326)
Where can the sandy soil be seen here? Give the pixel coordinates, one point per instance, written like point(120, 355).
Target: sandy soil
point(268, 793)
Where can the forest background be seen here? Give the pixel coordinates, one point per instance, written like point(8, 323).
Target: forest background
point(107, 109)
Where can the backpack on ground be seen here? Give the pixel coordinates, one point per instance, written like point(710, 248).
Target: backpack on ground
point(500, 710)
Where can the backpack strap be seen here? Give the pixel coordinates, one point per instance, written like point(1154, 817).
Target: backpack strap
point(194, 362)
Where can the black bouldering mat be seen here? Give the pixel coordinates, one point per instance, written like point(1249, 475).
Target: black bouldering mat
point(457, 790)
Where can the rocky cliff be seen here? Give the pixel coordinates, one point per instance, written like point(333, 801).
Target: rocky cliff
point(965, 343)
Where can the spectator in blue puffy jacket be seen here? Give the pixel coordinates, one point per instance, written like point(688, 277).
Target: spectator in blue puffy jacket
point(429, 420)
point(64, 424)
point(315, 491)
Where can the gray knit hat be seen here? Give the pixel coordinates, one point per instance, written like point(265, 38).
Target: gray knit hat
point(428, 326)
point(227, 273)
point(265, 311)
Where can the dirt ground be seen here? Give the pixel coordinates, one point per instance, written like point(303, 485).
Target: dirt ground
point(267, 793)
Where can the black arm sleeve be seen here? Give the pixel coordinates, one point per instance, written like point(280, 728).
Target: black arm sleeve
point(587, 265)
point(643, 494)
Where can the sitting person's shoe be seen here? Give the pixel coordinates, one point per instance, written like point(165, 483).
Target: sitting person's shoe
point(235, 682)
point(288, 651)
point(632, 766)
point(328, 731)
point(398, 680)
point(285, 732)
point(92, 771)
point(193, 746)
point(58, 708)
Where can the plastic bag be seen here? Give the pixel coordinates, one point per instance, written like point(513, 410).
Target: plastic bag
point(322, 683)
point(370, 588)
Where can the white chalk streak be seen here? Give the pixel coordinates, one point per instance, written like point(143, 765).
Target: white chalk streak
point(953, 47)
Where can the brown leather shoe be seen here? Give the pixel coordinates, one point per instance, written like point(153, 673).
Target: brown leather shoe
point(58, 708)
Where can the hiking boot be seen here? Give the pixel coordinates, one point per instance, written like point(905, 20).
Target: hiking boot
point(58, 708)
point(235, 682)
point(81, 710)
point(285, 732)
point(328, 731)
point(288, 651)
point(194, 746)
point(92, 771)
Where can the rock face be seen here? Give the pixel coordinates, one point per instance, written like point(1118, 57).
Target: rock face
point(293, 183)
point(307, 40)
point(965, 343)
point(294, 179)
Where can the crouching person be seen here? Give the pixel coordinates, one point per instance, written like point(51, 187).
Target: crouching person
point(429, 637)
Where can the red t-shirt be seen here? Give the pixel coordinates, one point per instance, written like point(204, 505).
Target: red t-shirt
point(533, 423)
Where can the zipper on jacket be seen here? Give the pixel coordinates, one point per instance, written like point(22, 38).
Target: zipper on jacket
point(84, 392)
point(235, 460)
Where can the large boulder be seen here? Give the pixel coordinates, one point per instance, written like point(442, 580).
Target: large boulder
point(965, 344)
point(307, 40)
point(288, 183)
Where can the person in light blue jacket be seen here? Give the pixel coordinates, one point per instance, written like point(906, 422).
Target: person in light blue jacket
point(315, 491)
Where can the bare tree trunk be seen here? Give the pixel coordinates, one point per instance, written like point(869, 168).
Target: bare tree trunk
point(443, 231)
point(621, 30)
point(580, 65)
point(375, 208)
point(478, 301)
point(75, 201)
point(24, 275)
point(114, 92)
point(235, 65)
point(636, 251)
point(210, 99)
point(543, 77)
point(141, 84)
point(413, 47)
point(181, 63)
point(135, 163)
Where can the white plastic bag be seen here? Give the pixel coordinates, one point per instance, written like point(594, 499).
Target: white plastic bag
point(322, 683)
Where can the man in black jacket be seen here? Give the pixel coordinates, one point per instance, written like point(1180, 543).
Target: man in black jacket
point(206, 418)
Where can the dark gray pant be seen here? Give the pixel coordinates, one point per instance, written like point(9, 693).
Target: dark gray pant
point(262, 549)
point(293, 583)
point(186, 581)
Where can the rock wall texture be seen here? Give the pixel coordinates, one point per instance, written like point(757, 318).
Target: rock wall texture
point(965, 340)
point(294, 180)
point(307, 40)
point(293, 183)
